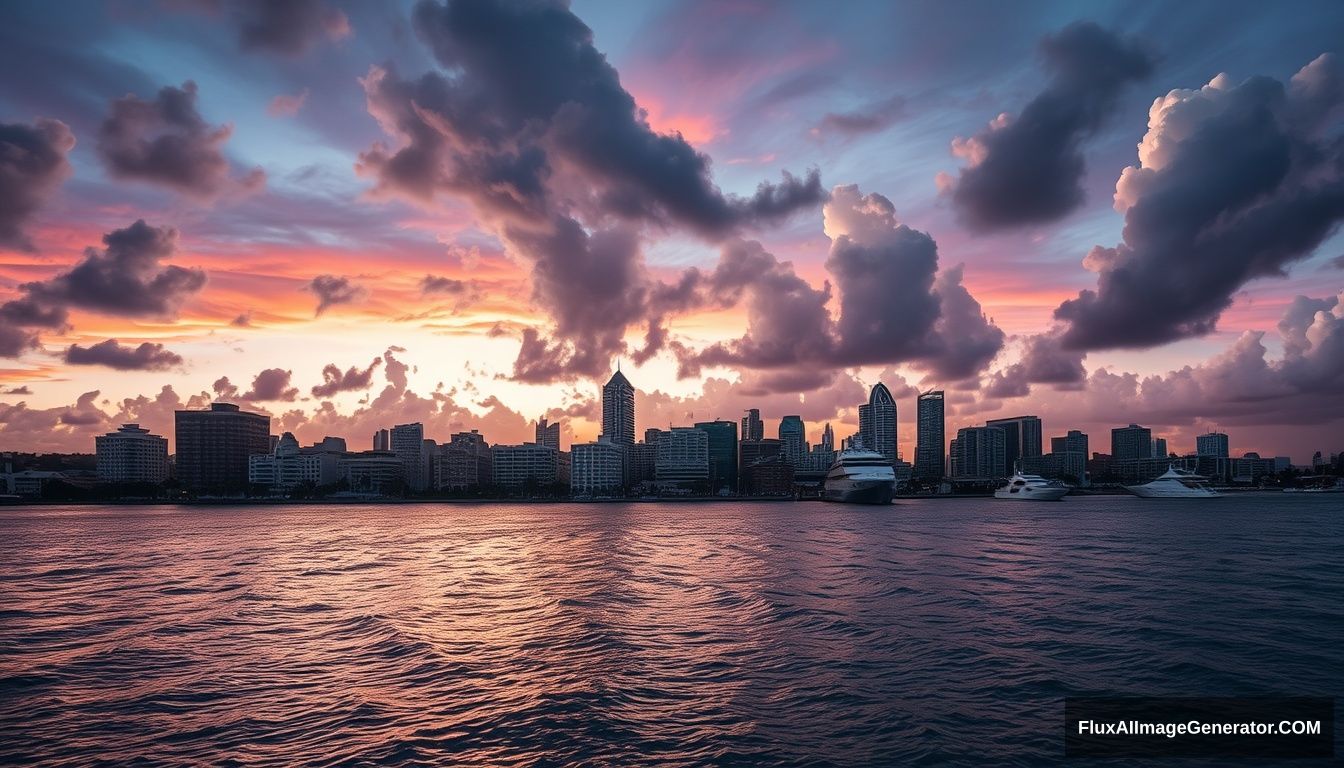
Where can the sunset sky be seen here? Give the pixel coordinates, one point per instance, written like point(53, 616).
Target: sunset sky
point(466, 213)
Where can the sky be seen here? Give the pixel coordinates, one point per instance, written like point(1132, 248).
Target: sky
point(469, 212)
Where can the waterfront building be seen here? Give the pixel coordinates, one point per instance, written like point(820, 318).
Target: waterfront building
point(528, 466)
point(378, 472)
point(930, 440)
point(641, 462)
point(1021, 438)
point(1159, 448)
point(618, 410)
point(722, 453)
point(214, 446)
point(288, 466)
point(463, 462)
point(769, 476)
point(382, 440)
point(752, 451)
point(752, 426)
point(548, 434)
point(683, 457)
point(408, 442)
point(792, 440)
point(1212, 444)
point(979, 453)
point(1132, 442)
point(1250, 468)
point(827, 438)
point(597, 468)
point(131, 455)
point(877, 422)
point(1074, 441)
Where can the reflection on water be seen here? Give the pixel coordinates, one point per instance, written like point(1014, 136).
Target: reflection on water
point(777, 634)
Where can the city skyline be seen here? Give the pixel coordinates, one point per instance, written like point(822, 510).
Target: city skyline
point(284, 257)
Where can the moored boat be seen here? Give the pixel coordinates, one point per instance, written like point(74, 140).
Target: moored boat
point(1175, 484)
point(860, 477)
point(1023, 487)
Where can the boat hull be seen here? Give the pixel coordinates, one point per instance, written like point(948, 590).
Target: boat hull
point(1144, 492)
point(874, 492)
point(1032, 494)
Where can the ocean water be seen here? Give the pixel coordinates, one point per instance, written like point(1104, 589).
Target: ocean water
point(929, 633)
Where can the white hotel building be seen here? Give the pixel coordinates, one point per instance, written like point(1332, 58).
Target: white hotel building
point(131, 455)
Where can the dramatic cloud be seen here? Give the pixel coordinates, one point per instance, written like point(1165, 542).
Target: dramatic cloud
point(1043, 361)
point(436, 284)
point(1234, 182)
point(146, 357)
point(352, 380)
point(166, 142)
point(894, 304)
point(32, 165)
point(332, 291)
point(285, 26)
point(272, 384)
point(126, 278)
point(533, 127)
point(1027, 169)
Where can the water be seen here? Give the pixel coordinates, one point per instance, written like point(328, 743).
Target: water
point(932, 632)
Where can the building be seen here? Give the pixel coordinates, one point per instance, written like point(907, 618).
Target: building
point(793, 440)
point(378, 472)
point(597, 468)
point(1021, 438)
point(827, 439)
point(289, 466)
point(408, 442)
point(382, 440)
point(1250, 468)
point(979, 453)
point(1159, 448)
point(930, 441)
point(722, 453)
point(752, 451)
point(641, 462)
point(1074, 441)
point(1067, 458)
point(131, 455)
point(548, 434)
point(214, 446)
point(527, 466)
point(770, 476)
point(1132, 442)
point(1212, 444)
point(683, 457)
point(877, 422)
point(464, 462)
point(618, 410)
point(752, 426)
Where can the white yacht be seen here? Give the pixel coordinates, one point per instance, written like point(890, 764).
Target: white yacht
point(1175, 484)
point(1031, 488)
point(860, 476)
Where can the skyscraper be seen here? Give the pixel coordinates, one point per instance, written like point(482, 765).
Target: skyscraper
point(213, 446)
point(1021, 438)
point(828, 438)
point(752, 427)
point(1132, 442)
point(548, 434)
point(408, 442)
point(131, 455)
point(877, 422)
point(722, 453)
point(382, 441)
point(1212, 444)
point(618, 410)
point(1159, 449)
point(791, 440)
point(978, 453)
point(930, 442)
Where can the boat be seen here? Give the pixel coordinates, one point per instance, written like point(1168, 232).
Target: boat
point(1031, 488)
point(860, 476)
point(1175, 484)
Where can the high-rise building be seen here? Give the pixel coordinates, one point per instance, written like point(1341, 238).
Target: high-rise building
point(1212, 444)
point(1021, 438)
point(930, 441)
point(288, 466)
point(463, 463)
point(722, 453)
point(408, 442)
point(213, 446)
point(1132, 442)
point(978, 453)
point(596, 468)
point(827, 439)
point(877, 422)
point(618, 410)
point(792, 440)
point(753, 451)
point(1159, 448)
point(527, 465)
point(549, 434)
point(380, 472)
point(1072, 442)
point(752, 426)
point(683, 456)
point(131, 455)
point(382, 440)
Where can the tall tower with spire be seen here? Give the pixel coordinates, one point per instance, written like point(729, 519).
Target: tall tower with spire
point(618, 409)
point(877, 422)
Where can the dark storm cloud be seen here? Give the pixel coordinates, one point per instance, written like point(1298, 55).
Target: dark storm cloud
point(126, 278)
point(167, 142)
point(32, 165)
point(352, 380)
point(436, 284)
point(284, 26)
point(271, 384)
point(333, 291)
point(146, 357)
point(870, 119)
point(1043, 361)
point(1027, 169)
point(21, 390)
point(531, 124)
point(1235, 182)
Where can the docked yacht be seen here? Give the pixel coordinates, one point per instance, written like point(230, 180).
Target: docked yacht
point(860, 476)
point(1031, 488)
point(1175, 484)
